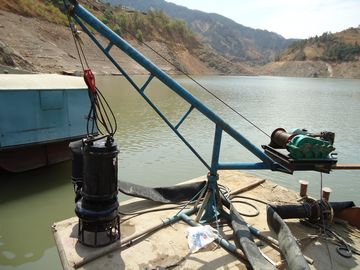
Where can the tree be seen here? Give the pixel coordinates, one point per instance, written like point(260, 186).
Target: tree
point(139, 35)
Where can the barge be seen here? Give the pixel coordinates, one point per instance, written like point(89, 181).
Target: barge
point(39, 115)
point(166, 247)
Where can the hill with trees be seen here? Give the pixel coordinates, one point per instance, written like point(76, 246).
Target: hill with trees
point(236, 41)
point(35, 37)
point(49, 39)
point(338, 47)
point(329, 55)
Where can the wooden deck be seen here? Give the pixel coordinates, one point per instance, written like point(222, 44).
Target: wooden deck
point(167, 248)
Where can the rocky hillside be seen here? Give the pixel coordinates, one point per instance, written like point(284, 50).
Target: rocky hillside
point(35, 37)
point(328, 55)
point(341, 46)
point(224, 35)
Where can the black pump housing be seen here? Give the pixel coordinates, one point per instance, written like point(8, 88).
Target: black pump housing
point(96, 199)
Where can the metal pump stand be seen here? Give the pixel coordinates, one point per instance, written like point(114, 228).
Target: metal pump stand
point(212, 201)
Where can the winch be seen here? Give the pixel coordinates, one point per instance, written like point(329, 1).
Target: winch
point(303, 145)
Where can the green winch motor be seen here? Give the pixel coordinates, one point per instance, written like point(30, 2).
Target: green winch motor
point(304, 145)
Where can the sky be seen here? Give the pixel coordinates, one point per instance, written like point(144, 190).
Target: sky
point(289, 18)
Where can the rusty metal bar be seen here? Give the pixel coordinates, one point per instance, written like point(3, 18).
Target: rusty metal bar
point(346, 167)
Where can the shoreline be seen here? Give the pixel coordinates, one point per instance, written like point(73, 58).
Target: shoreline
point(48, 48)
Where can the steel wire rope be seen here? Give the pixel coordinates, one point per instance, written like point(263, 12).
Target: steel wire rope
point(99, 107)
point(186, 74)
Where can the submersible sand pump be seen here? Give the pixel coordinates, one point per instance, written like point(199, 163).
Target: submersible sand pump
point(96, 190)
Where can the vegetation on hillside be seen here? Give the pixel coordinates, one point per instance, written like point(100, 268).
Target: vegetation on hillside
point(327, 47)
point(154, 25)
point(47, 10)
point(227, 37)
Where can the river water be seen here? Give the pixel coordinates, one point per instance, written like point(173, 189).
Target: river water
point(150, 154)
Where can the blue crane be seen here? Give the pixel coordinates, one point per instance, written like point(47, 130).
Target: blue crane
point(269, 159)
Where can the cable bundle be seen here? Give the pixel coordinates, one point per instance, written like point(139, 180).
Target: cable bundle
point(100, 115)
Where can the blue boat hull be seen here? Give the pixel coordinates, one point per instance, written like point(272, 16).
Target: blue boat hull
point(39, 119)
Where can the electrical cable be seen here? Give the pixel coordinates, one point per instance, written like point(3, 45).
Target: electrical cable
point(192, 200)
point(233, 200)
point(138, 213)
point(181, 206)
point(187, 75)
point(248, 198)
point(99, 111)
point(100, 115)
point(257, 212)
point(225, 190)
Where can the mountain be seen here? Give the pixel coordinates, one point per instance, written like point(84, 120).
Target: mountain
point(341, 46)
point(223, 34)
point(35, 37)
point(329, 55)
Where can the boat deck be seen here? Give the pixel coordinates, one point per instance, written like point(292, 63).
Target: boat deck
point(48, 82)
point(167, 248)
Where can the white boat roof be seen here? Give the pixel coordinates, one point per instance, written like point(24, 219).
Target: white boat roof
point(40, 82)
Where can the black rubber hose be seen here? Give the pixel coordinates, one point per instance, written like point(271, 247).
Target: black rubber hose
point(293, 210)
point(308, 210)
point(173, 194)
point(244, 240)
point(287, 243)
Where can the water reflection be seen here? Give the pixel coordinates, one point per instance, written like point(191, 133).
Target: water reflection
point(29, 203)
